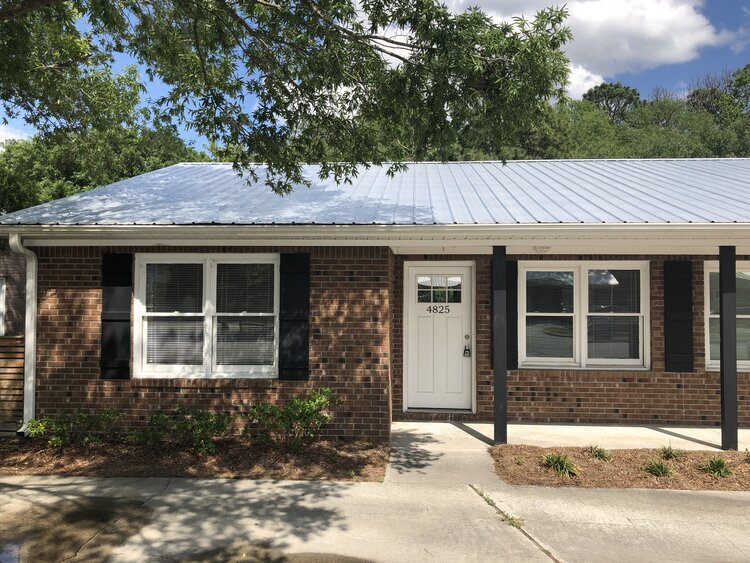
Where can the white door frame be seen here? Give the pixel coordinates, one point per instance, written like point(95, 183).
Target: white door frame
point(406, 304)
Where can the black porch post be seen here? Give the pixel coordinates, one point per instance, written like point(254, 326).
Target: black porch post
point(728, 332)
point(499, 343)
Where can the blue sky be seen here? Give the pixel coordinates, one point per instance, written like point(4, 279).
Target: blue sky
point(642, 43)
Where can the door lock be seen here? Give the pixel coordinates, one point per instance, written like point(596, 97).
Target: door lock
point(467, 351)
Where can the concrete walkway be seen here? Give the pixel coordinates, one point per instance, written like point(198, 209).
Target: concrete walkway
point(434, 505)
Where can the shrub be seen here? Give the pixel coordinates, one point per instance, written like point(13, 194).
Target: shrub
point(747, 456)
point(598, 453)
point(294, 424)
point(74, 428)
point(200, 428)
point(657, 468)
point(716, 466)
point(561, 464)
point(669, 453)
point(158, 429)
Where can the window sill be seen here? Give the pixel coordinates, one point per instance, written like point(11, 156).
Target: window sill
point(201, 377)
point(615, 367)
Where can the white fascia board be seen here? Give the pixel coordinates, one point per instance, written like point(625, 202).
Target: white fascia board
point(559, 237)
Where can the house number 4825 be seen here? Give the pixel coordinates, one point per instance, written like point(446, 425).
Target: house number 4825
point(444, 309)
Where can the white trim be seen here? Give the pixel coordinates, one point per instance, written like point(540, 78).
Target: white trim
point(405, 297)
point(2, 306)
point(208, 369)
point(29, 362)
point(580, 359)
point(712, 266)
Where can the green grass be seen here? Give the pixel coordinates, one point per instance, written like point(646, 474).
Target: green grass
point(657, 468)
point(669, 453)
point(716, 466)
point(560, 464)
point(598, 453)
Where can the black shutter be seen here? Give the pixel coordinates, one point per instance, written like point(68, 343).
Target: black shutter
point(294, 317)
point(678, 316)
point(117, 292)
point(511, 305)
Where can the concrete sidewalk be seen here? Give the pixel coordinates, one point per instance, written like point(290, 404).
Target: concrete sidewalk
point(425, 510)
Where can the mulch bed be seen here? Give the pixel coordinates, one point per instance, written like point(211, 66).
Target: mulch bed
point(521, 465)
point(235, 458)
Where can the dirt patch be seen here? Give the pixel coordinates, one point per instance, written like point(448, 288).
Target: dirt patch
point(521, 465)
point(249, 552)
point(236, 458)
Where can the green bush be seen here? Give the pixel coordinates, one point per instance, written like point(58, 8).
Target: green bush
point(668, 453)
point(157, 430)
point(194, 428)
point(294, 424)
point(561, 464)
point(75, 428)
point(598, 453)
point(716, 466)
point(657, 468)
point(200, 428)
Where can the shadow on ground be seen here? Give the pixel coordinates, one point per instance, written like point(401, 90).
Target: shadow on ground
point(410, 451)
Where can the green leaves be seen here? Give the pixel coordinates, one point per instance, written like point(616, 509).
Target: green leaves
point(288, 82)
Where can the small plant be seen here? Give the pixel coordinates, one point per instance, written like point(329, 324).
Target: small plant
point(520, 461)
point(561, 464)
point(669, 453)
point(657, 468)
point(74, 428)
point(598, 453)
point(716, 466)
point(294, 424)
point(747, 456)
point(200, 428)
point(157, 430)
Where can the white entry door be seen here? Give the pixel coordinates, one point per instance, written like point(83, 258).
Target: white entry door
point(438, 341)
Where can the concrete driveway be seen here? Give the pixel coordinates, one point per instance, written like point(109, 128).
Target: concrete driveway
point(435, 505)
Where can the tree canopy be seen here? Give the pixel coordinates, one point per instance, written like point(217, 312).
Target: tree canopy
point(336, 82)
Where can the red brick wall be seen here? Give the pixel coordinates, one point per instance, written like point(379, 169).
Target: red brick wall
point(349, 343)
point(13, 269)
point(587, 396)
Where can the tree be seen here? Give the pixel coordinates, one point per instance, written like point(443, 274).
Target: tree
point(44, 168)
point(291, 81)
point(614, 98)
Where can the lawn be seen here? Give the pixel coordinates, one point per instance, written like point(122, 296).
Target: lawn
point(523, 465)
point(234, 458)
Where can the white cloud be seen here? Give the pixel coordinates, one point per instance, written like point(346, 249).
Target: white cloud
point(582, 80)
point(7, 132)
point(616, 36)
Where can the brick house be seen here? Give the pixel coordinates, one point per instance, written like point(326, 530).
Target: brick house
point(550, 291)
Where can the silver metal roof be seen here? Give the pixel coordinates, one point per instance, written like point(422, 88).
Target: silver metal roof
point(463, 193)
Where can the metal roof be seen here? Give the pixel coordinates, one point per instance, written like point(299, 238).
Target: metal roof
point(457, 193)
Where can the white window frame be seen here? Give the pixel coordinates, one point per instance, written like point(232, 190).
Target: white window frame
point(580, 359)
point(208, 369)
point(2, 306)
point(709, 267)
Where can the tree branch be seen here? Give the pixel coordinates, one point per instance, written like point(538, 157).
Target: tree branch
point(28, 6)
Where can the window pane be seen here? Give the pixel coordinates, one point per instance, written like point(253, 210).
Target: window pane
point(713, 292)
point(549, 292)
point(743, 293)
point(244, 341)
point(549, 337)
point(244, 288)
point(424, 282)
point(614, 338)
point(614, 291)
point(175, 340)
point(454, 296)
point(743, 339)
point(454, 282)
point(439, 296)
point(423, 296)
point(174, 288)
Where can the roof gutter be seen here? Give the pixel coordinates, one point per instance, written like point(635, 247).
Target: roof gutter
point(29, 365)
